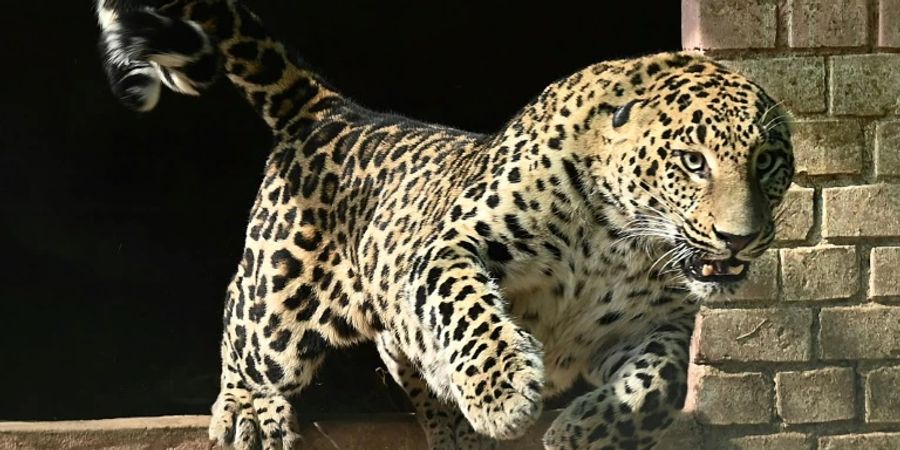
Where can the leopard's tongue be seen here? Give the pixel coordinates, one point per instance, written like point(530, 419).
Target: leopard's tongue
point(720, 268)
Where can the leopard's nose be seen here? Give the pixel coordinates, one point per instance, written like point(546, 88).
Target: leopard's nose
point(736, 242)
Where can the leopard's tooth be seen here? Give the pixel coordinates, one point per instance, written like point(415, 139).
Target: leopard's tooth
point(708, 270)
point(736, 270)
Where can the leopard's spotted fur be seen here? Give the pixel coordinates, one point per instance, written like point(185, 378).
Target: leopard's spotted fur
point(490, 270)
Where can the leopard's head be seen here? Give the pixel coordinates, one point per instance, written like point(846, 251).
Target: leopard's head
point(697, 161)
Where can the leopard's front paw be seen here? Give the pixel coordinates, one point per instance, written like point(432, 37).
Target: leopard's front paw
point(243, 422)
point(507, 416)
point(468, 439)
point(502, 397)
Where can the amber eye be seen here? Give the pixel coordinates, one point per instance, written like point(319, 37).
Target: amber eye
point(764, 162)
point(693, 161)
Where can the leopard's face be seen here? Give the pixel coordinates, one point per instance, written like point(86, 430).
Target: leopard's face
point(705, 160)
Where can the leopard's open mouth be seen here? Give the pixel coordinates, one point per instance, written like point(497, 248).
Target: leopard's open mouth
point(715, 271)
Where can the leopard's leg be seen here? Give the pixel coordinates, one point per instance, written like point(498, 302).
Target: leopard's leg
point(252, 409)
point(250, 417)
point(491, 367)
point(641, 389)
point(444, 425)
point(244, 419)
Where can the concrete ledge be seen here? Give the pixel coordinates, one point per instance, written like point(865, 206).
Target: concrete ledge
point(130, 423)
point(363, 432)
point(379, 432)
point(175, 432)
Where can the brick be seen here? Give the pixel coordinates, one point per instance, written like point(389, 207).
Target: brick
point(889, 23)
point(727, 399)
point(723, 24)
point(860, 332)
point(684, 433)
point(884, 279)
point(882, 395)
point(865, 84)
point(887, 148)
point(771, 335)
point(861, 211)
point(819, 273)
point(828, 23)
point(799, 81)
point(826, 147)
point(761, 282)
point(795, 215)
point(780, 441)
point(867, 441)
point(815, 396)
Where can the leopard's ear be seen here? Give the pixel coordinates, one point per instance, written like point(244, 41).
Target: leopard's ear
point(622, 114)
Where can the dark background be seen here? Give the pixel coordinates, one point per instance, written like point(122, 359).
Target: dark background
point(119, 231)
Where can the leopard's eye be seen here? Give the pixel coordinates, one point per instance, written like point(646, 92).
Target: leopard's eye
point(764, 162)
point(693, 161)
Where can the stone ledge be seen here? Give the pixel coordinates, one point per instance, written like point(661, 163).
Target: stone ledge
point(364, 432)
point(129, 423)
point(174, 432)
point(376, 432)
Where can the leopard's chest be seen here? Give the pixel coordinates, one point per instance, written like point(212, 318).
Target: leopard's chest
point(585, 302)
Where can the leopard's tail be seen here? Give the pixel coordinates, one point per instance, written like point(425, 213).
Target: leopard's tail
point(185, 44)
point(144, 49)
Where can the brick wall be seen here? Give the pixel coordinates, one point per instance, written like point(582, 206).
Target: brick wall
point(807, 356)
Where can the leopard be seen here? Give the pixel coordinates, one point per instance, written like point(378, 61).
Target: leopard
point(492, 271)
